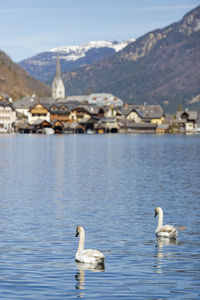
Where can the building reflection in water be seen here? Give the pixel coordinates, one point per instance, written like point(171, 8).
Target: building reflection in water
point(80, 275)
point(161, 254)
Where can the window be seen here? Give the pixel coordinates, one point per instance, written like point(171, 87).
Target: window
point(63, 107)
point(53, 108)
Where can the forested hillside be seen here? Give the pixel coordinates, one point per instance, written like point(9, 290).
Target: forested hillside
point(15, 82)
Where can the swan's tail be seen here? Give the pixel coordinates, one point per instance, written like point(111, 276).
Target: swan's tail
point(181, 228)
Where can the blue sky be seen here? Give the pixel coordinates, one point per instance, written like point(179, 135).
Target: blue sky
point(29, 27)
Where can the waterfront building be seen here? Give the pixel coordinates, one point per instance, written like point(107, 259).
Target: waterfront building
point(38, 113)
point(187, 120)
point(142, 113)
point(129, 112)
point(7, 116)
point(59, 112)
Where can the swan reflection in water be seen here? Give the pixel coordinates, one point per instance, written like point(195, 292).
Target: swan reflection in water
point(161, 255)
point(80, 276)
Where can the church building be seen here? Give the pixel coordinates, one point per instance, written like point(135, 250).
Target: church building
point(58, 88)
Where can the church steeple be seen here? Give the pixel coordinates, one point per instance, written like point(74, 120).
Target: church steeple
point(58, 88)
point(58, 71)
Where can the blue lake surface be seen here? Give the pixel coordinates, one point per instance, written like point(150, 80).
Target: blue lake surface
point(109, 184)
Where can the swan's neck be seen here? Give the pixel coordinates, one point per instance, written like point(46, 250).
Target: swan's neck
point(160, 219)
point(81, 241)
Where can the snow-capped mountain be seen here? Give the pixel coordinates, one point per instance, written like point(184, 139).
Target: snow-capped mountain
point(42, 65)
point(76, 52)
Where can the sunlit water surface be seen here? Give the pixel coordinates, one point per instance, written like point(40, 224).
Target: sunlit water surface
point(110, 184)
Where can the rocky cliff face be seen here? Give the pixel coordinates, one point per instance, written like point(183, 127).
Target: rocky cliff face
point(189, 25)
point(144, 46)
point(160, 67)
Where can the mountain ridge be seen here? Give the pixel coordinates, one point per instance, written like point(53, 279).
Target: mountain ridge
point(42, 65)
point(160, 67)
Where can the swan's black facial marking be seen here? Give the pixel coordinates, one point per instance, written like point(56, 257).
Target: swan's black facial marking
point(77, 231)
point(156, 212)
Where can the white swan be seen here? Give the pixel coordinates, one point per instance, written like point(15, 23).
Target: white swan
point(88, 256)
point(166, 230)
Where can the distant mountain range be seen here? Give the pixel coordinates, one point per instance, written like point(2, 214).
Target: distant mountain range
point(161, 67)
point(43, 65)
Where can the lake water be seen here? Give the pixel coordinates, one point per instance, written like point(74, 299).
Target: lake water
point(109, 184)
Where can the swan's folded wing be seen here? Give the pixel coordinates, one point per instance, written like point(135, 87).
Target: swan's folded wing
point(93, 253)
point(167, 228)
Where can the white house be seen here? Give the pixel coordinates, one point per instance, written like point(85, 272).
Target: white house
point(38, 113)
point(7, 116)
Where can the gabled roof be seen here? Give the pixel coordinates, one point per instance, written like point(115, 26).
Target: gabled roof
point(147, 112)
point(25, 102)
point(7, 104)
point(55, 122)
point(192, 114)
point(126, 110)
point(150, 111)
point(83, 108)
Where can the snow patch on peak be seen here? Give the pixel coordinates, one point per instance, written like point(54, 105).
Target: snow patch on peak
point(75, 52)
point(120, 46)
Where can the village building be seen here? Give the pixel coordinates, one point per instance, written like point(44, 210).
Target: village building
point(79, 113)
point(111, 125)
point(197, 127)
point(104, 99)
point(141, 119)
point(59, 112)
point(151, 114)
point(130, 113)
point(187, 120)
point(85, 110)
point(38, 113)
point(23, 105)
point(162, 128)
point(142, 113)
point(7, 116)
point(95, 113)
point(126, 126)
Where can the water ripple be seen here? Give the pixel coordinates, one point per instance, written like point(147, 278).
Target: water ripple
point(110, 185)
